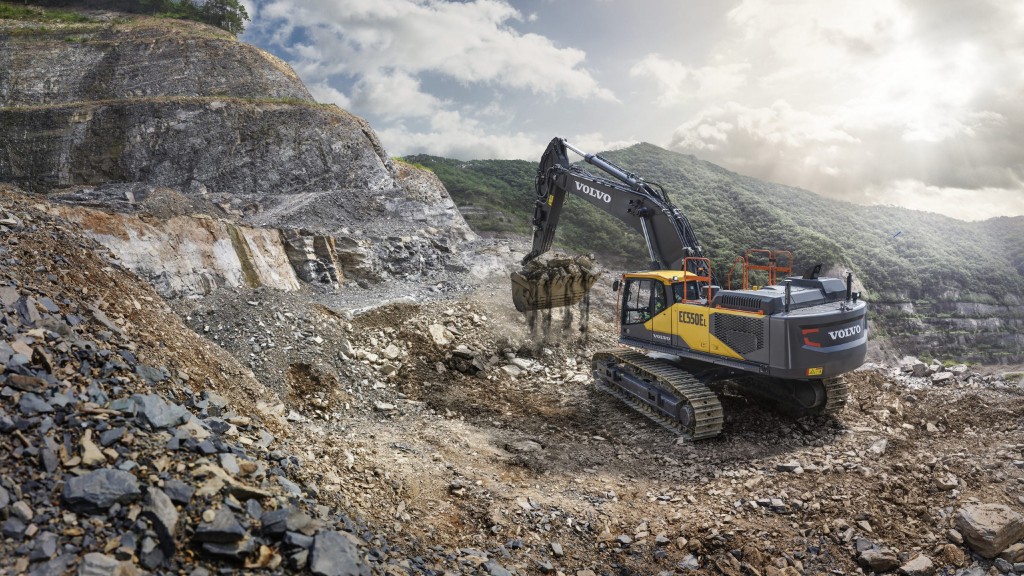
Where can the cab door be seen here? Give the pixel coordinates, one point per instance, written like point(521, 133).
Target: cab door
point(644, 315)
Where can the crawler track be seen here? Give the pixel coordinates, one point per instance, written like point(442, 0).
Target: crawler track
point(797, 397)
point(671, 397)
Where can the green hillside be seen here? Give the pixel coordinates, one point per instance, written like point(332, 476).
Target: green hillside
point(938, 283)
point(899, 254)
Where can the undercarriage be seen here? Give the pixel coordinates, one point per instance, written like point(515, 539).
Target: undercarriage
point(677, 395)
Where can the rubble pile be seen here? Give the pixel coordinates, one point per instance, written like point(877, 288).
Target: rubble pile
point(279, 432)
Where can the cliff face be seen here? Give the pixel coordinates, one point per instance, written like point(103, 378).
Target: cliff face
point(125, 58)
point(111, 114)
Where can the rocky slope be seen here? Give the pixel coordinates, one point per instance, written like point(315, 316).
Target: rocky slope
point(108, 113)
point(261, 431)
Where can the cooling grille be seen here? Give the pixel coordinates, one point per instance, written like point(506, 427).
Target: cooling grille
point(741, 333)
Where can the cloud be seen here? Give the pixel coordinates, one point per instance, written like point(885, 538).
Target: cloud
point(468, 42)
point(965, 204)
point(678, 82)
point(904, 102)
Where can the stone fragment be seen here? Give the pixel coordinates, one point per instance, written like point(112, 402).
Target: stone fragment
point(23, 511)
point(1003, 566)
point(920, 565)
point(947, 481)
point(237, 551)
point(152, 411)
point(942, 378)
point(158, 507)
point(32, 405)
point(990, 528)
point(879, 447)
point(277, 522)
point(878, 560)
point(96, 564)
point(952, 555)
point(1014, 554)
point(91, 454)
point(333, 554)
point(224, 528)
point(556, 549)
point(44, 547)
point(439, 334)
point(791, 466)
point(179, 492)
point(109, 437)
point(99, 490)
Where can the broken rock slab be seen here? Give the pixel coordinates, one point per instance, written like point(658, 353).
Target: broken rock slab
point(990, 528)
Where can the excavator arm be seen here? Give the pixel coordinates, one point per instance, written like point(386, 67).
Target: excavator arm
point(642, 206)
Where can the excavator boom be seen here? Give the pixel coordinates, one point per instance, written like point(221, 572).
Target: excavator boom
point(645, 207)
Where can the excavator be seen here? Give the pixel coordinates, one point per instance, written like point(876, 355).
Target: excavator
point(787, 342)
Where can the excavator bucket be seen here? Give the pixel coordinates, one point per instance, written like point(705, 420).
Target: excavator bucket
point(561, 281)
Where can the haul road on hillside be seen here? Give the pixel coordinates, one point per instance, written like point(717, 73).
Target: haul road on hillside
point(787, 343)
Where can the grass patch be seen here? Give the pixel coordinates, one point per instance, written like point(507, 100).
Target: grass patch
point(34, 14)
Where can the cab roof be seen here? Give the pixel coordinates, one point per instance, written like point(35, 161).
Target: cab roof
point(666, 276)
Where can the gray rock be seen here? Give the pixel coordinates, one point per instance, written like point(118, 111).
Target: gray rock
point(942, 378)
point(1003, 566)
point(920, 565)
point(108, 437)
point(689, 563)
point(919, 370)
point(96, 564)
point(152, 411)
point(55, 567)
point(224, 528)
point(495, 569)
point(5, 498)
point(333, 554)
point(159, 508)
point(179, 492)
point(556, 549)
point(989, 528)
point(13, 527)
point(277, 522)
point(99, 490)
point(237, 551)
point(878, 560)
point(297, 540)
point(44, 546)
point(32, 405)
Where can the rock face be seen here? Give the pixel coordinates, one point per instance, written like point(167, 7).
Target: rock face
point(116, 113)
point(135, 58)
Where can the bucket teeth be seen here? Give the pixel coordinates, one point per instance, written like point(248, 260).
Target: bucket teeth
point(557, 283)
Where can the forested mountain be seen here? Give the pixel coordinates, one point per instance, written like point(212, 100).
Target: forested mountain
point(936, 281)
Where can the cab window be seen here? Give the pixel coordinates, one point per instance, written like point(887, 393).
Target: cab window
point(643, 299)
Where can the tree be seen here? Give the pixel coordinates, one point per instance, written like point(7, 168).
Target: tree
point(226, 14)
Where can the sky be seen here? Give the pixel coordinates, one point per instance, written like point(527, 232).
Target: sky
point(914, 103)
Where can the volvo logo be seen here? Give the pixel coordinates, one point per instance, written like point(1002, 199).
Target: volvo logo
point(845, 332)
point(602, 196)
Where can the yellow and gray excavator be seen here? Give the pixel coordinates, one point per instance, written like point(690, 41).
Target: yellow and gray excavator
point(786, 342)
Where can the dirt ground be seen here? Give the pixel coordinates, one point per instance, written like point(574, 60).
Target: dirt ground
point(465, 434)
point(562, 477)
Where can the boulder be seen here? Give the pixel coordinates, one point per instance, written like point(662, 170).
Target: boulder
point(989, 529)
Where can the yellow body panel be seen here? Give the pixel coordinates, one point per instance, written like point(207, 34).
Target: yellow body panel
point(690, 321)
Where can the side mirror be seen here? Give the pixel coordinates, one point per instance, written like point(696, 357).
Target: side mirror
point(615, 285)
